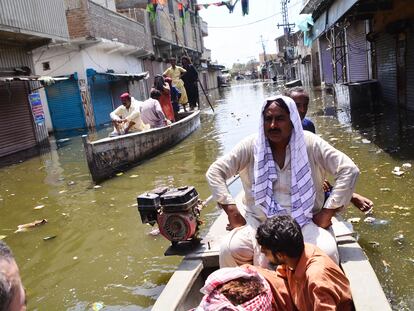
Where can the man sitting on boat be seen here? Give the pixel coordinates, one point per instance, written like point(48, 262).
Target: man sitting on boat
point(282, 170)
point(301, 99)
point(311, 279)
point(151, 111)
point(127, 117)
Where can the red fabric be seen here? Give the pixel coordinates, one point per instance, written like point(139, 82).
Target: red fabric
point(167, 108)
point(125, 96)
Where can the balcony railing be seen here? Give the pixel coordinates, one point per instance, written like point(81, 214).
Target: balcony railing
point(92, 20)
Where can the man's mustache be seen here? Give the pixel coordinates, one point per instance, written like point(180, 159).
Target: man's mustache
point(276, 130)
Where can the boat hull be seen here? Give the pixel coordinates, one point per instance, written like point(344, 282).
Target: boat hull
point(108, 156)
point(182, 292)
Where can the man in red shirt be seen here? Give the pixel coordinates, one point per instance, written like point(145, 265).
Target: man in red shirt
point(312, 279)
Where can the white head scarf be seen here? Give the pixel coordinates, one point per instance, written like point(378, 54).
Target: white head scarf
point(265, 174)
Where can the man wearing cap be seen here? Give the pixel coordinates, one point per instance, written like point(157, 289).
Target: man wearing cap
point(127, 117)
point(282, 170)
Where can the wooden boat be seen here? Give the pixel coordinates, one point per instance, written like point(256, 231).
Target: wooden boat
point(293, 83)
point(111, 155)
point(182, 292)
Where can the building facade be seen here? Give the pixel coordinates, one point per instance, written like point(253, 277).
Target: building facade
point(25, 26)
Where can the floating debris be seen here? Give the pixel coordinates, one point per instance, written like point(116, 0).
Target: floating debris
point(399, 238)
point(62, 140)
point(125, 277)
point(39, 207)
point(333, 139)
point(62, 191)
point(406, 165)
point(385, 189)
point(47, 238)
point(386, 265)
point(133, 176)
point(154, 232)
point(71, 183)
point(397, 171)
point(375, 221)
point(2, 237)
point(353, 147)
point(365, 141)
point(96, 306)
point(75, 257)
point(354, 220)
point(97, 187)
point(374, 243)
point(119, 174)
point(24, 227)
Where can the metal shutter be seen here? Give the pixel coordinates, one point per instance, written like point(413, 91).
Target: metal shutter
point(101, 98)
point(357, 52)
point(326, 60)
point(410, 69)
point(385, 48)
point(16, 121)
point(117, 88)
point(65, 105)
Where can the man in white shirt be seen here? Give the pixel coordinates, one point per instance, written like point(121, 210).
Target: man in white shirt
point(127, 117)
point(282, 170)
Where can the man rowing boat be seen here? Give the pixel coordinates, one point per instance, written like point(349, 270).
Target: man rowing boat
point(282, 170)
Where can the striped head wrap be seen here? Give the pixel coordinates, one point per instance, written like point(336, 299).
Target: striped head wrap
point(265, 173)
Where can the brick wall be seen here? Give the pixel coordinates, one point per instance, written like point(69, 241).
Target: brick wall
point(77, 18)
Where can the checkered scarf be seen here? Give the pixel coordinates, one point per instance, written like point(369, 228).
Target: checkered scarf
point(213, 300)
point(265, 174)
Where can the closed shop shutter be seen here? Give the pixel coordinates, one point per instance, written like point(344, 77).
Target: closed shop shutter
point(65, 105)
point(148, 67)
point(16, 121)
point(357, 52)
point(326, 60)
point(410, 69)
point(385, 48)
point(101, 98)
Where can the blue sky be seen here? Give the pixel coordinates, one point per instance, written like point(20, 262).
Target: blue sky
point(231, 44)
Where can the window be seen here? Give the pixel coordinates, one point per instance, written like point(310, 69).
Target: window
point(46, 66)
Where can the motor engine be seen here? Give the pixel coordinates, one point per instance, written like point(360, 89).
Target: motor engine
point(175, 210)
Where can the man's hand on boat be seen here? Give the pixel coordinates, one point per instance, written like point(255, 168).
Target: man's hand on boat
point(323, 218)
point(235, 218)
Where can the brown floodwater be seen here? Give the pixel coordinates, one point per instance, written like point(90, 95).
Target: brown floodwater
point(102, 253)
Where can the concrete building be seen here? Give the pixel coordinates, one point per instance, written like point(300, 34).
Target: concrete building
point(363, 44)
point(25, 26)
point(172, 36)
point(103, 58)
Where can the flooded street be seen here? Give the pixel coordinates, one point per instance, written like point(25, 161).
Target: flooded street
point(102, 253)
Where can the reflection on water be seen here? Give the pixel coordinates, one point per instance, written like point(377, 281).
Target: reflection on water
point(102, 253)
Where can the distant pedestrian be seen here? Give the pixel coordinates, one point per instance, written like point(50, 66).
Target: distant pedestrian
point(165, 100)
point(12, 294)
point(151, 111)
point(190, 79)
point(175, 72)
point(127, 118)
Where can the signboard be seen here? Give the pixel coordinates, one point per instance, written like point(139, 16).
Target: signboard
point(37, 109)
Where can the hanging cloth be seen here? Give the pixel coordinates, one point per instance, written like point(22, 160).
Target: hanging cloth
point(245, 7)
point(152, 9)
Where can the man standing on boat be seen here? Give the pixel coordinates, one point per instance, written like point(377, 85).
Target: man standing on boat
point(301, 99)
point(127, 117)
point(282, 170)
point(175, 72)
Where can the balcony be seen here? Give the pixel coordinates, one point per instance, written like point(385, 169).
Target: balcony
point(33, 22)
point(87, 19)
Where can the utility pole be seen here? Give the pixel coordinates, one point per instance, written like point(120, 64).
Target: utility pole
point(286, 29)
point(264, 56)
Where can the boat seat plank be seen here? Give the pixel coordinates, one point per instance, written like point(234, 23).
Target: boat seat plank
point(367, 292)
